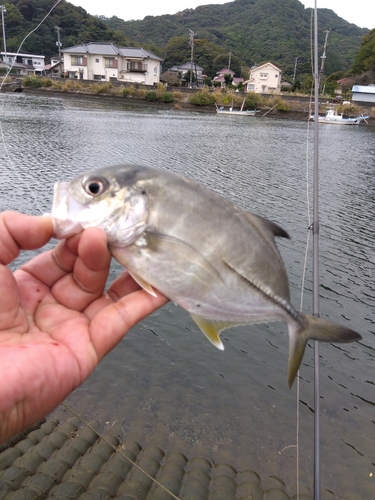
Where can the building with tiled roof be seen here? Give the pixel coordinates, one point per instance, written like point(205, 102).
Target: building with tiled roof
point(107, 62)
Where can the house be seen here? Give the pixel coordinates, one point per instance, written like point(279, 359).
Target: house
point(264, 79)
point(24, 64)
point(220, 77)
point(56, 67)
point(183, 69)
point(363, 93)
point(107, 62)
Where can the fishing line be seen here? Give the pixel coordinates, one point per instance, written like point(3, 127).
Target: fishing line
point(7, 155)
point(309, 227)
point(26, 37)
point(119, 451)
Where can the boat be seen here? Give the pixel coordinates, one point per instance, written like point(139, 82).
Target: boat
point(333, 117)
point(236, 112)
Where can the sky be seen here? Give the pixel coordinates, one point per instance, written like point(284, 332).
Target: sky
point(359, 12)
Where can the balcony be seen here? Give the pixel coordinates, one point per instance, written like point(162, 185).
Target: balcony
point(136, 67)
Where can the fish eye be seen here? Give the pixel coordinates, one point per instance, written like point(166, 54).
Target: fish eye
point(95, 186)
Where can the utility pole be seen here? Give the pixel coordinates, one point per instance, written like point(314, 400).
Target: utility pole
point(58, 43)
point(191, 36)
point(3, 10)
point(295, 69)
point(323, 57)
point(230, 57)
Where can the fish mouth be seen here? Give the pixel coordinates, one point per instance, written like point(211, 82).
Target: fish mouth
point(65, 210)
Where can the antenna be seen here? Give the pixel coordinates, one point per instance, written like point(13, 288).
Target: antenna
point(315, 227)
point(3, 10)
point(58, 43)
point(323, 57)
point(191, 36)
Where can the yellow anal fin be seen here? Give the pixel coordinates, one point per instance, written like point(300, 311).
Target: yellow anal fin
point(211, 329)
point(142, 283)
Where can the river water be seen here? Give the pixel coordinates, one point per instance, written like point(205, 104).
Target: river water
point(165, 385)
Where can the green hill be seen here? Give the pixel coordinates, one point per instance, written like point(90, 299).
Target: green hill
point(254, 31)
point(77, 26)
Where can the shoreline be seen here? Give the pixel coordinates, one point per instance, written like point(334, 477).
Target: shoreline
point(294, 114)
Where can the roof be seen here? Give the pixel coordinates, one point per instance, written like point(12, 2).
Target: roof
point(264, 65)
point(225, 71)
point(137, 52)
point(109, 49)
point(364, 89)
point(21, 55)
point(186, 66)
point(236, 79)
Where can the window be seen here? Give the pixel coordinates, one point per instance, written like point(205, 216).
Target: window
point(96, 60)
point(263, 75)
point(276, 75)
point(78, 60)
point(250, 86)
point(110, 63)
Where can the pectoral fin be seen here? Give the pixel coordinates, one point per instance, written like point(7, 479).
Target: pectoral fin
point(142, 283)
point(212, 329)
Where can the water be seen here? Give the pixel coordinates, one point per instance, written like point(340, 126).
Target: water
point(165, 385)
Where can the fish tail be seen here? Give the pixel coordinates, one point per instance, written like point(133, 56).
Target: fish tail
point(310, 327)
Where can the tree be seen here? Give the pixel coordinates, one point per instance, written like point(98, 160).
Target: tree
point(365, 58)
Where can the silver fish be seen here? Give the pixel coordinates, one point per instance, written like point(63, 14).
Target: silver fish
point(215, 260)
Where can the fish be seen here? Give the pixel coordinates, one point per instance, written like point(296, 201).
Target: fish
point(173, 234)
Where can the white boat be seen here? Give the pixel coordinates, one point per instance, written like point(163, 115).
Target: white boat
point(333, 117)
point(236, 112)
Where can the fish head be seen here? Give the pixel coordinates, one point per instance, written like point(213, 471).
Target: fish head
point(101, 198)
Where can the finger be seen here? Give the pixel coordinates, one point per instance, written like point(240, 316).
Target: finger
point(112, 323)
point(20, 231)
point(11, 316)
point(86, 283)
point(51, 266)
point(122, 285)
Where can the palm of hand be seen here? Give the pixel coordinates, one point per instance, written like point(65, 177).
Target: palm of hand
point(57, 323)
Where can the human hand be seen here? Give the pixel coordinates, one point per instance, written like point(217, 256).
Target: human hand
point(56, 320)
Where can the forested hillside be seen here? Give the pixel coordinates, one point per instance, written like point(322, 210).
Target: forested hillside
point(77, 26)
point(254, 31)
point(251, 31)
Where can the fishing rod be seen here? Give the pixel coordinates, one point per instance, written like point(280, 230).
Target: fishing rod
point(315, 228)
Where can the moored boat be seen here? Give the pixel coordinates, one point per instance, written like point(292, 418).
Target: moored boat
point(236, 112)
point(333, 117)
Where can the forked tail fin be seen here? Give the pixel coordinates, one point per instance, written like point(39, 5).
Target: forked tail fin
point(310, 327)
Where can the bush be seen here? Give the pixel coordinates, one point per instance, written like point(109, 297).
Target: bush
point(349, 109)
point(32, 81)
point(46, 82)
point(128, 90)
point(151, 95)
point(202, 98)
point(282, 106)
point(252, 100)
point(101, 88)
point(167, 97)
point(71, 85)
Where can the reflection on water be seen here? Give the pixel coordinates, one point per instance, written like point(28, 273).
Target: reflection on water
point(165, 385)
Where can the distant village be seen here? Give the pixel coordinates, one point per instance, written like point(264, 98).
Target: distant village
point(105, 62)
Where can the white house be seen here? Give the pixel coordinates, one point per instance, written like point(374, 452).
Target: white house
point(264, 79)
point(24, 64)
point(363, 93)
point(107, 62)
